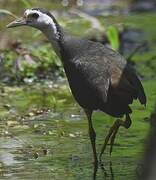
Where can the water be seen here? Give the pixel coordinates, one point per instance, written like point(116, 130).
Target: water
point(42, 141)
point(44, 133)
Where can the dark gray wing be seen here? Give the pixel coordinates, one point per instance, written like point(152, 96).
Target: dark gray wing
point(124, 76)
point(101, 67)
point(134, 80)
point(95, 72)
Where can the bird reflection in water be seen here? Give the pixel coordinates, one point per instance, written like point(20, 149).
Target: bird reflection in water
point(105, 173)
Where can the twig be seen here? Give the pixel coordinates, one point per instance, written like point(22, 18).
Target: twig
point(135, 51)
point(95, 23)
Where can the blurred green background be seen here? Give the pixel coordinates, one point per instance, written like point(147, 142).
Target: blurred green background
point(43, 132)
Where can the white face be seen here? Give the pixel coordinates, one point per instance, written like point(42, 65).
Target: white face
point(42, 21)
point(38, 19)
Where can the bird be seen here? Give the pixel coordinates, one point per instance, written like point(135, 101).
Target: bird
point(99, 77)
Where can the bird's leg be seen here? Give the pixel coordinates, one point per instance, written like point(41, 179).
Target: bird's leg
point(126, 124)
point(113, 131)
point(92, 136)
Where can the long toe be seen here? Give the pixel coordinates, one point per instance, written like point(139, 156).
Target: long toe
point(112, 140)
point(105, 143)
point(111, 135)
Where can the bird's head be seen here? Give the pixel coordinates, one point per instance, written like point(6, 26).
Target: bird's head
point(36, 17)
point(44, 21)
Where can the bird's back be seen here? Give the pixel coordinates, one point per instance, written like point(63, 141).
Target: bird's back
point(100, 78)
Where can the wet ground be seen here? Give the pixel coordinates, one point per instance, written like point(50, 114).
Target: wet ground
point(43, 132)
point(44, 136)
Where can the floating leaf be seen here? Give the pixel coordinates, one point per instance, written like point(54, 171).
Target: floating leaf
point(31, 114)
point(12, 123)
point(72, 135)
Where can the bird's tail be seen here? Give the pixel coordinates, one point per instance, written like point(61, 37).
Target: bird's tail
point(141, 94)
point(138, 86)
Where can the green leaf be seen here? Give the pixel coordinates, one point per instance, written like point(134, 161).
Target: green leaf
point(113, 37)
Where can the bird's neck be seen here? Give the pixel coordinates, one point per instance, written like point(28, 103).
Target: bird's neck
point(65, 45)
point(56, 38)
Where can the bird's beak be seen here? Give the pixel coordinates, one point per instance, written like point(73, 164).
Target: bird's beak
point(18, 22)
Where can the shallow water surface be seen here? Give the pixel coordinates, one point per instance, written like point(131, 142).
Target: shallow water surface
point(43, 138)
point(44, 133)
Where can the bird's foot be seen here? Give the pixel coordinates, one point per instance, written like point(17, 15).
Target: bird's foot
point(111, 136)
point(102, 166)
point(95, 165)
point(112, 139)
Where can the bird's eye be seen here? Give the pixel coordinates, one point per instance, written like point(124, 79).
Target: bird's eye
point(33, 15)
